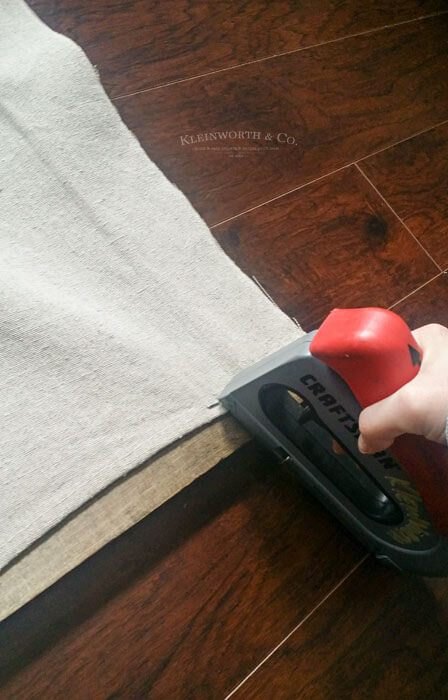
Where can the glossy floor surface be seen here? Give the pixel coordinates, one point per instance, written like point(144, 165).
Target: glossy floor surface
point(313, 138)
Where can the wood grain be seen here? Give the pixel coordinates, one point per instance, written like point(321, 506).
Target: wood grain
point(338, 102)
point(427, 305)
point(382, 635)
point(187, 601)
point(332, 243)
point(141, 43)
point(412, 177)
point(115, 510)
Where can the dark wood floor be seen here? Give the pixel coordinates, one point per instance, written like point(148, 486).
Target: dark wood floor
point(242, 582)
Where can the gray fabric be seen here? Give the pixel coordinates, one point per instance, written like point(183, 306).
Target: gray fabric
point(121, 319)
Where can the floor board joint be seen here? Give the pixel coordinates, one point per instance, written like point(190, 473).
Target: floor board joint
point(300, 624)
point(337, 170)
point(396, 215)
point(365, 32)
point(415, 290)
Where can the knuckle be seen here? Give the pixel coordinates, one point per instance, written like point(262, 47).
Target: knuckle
point(437, 329)
point(364, 423)
point(432, 330)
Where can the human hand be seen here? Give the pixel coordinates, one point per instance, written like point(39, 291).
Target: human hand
point(419, 407)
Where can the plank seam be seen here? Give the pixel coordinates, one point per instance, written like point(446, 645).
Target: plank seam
point(416, 290)
point(365, 32)
point(331, 172)
point(300, 624)
point(390, 207)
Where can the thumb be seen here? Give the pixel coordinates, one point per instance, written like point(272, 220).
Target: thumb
point(382, 422)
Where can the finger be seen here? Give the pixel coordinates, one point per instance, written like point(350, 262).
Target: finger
point(382, 422)
point(428, 338)
point(376, 445)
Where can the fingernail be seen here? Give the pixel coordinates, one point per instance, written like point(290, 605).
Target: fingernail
point(362, 447)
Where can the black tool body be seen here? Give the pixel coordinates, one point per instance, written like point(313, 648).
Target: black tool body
point(297, 406)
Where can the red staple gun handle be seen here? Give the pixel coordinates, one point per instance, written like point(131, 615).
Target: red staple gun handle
point(375, 353)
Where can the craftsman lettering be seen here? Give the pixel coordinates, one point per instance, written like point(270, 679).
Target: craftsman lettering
point(318, 390)
point(327, 400)
point(350, 424)
point(337, 409)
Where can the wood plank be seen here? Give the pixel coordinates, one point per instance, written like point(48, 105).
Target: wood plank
point(427, 305)
point(187, 601)
point(115, 510)
point(339, 102)
point(381, 635)
point(412, 177)
point(332, 243)
point(141, 43)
